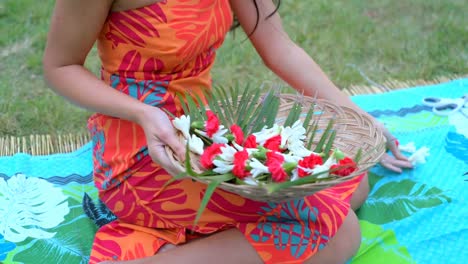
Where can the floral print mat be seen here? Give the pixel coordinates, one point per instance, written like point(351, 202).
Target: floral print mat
point(419, 216)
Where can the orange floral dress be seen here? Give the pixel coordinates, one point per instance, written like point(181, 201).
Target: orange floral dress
point(152, 53)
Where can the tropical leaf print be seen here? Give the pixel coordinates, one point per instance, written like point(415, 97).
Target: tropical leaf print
point(98, 212)
point(75, 190)
point(5, 248)
point(203, 30)
point(457, 145)
point(379, 244)
point(30, 207)
point(413, 122)
point(130, 27)
point(287, 233)
point(397, 200)
point(71, 243)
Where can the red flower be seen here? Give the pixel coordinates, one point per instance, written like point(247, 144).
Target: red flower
point(273, 143)
point(212, 124)
point(238, 134)
point(250, 142)
point(274, 157)
point(308, 162)
point(344, 167)
point(240, 160)
point(209, 154)
point(274, 163)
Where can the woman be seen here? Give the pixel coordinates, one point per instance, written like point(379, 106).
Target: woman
point(150, 50)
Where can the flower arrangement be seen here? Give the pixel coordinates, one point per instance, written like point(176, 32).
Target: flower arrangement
point(271, 155)
point(272, 147)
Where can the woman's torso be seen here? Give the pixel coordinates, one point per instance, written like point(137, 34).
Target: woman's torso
point(172, 42)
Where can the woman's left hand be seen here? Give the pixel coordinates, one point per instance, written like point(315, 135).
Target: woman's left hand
point(398, 161)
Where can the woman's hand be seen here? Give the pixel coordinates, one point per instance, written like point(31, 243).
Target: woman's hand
point(398, 161)
point(160, 132)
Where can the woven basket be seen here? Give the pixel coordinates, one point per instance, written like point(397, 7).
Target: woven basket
point(353, 132)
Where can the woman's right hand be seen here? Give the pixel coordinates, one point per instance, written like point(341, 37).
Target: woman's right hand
point(160, 132)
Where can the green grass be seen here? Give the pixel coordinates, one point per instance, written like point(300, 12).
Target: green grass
point(404, 40)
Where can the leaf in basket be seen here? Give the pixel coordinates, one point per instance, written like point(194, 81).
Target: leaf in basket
point(330, 142)
point(294, 115)
point(313, 132)
point(209, 192)
point(228, 106)
point(214, 106)
point(201, 105)
point(194, 108)
point(182, 99)
point(325, 136)
point(358, 156)
point(308, 117)
point(248, 109)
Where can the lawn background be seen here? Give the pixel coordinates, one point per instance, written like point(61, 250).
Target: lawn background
point(352, 40)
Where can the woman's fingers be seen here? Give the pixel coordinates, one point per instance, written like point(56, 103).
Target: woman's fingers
point(159, 155)
point(394, 164)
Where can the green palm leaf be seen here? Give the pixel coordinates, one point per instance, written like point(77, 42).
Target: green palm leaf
point(397, 200)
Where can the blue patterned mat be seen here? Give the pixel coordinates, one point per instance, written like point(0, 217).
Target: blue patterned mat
point(419, 216)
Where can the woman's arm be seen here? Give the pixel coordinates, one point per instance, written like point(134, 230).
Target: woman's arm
point(74, 28)
point(295, 66)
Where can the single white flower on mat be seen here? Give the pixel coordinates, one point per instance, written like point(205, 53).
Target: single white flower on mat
point(292, 135)
point(30, 206)
point(257, 167)
point(410, 147)
point(196, 144)
point(224, 163)
point(267, 133)
point(217, 137)
point(419, 157)
point(321, 168)
point(182, 123)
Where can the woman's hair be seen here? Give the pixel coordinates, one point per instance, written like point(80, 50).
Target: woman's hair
point(236, 22)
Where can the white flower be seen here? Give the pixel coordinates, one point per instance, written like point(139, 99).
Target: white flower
point(257, 168)
point(30, 206)
point(294, 175)
point(267, 133)
point(293, 135)
point(291, 158)
point(321, 168)
point(225, 161)
point(298, 149)
point(182, 123)
point(195, 144)
point(250, 181)
point(410, 147)
point(419, 157)
point(217, 137)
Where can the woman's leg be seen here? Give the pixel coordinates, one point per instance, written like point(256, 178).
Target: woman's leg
point(225, 247)
point(361, 193)
point(343, 245)
point(230, 246)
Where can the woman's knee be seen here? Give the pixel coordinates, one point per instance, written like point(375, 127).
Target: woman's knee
point(343, 245)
